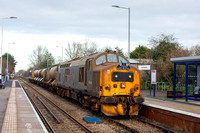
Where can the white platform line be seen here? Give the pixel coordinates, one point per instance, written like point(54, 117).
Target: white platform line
point(40, 121)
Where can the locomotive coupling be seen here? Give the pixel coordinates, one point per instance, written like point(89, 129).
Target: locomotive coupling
point(139, 99)
point(109, 100)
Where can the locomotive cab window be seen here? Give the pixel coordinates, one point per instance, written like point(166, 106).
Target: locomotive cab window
point(112, 57)
point(100, 60)
point(122, 60)
point(81, 74)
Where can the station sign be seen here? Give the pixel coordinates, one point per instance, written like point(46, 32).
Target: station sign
point(144, 67)
point(153, 76)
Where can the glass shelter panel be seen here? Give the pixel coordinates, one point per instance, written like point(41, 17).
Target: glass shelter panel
point(198, 75)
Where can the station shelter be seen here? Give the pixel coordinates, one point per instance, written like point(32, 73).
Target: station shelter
point(190, 67)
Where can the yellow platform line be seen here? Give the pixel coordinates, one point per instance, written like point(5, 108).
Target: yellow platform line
point(10, 119)
point(13, 84)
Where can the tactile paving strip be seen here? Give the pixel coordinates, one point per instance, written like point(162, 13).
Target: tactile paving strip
point(10, 119)
point(20, 115)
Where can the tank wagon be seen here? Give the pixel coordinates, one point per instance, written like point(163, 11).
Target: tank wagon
point(105, 82)
point(45, 77)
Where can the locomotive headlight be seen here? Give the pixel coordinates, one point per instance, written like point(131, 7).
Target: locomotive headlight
point(123, 85)
point(116, 76)
point(130, 76)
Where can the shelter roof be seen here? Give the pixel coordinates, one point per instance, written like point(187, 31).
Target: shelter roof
point(185, 59)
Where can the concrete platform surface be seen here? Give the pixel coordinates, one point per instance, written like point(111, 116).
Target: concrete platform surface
point(4, 96)
point(20, 115)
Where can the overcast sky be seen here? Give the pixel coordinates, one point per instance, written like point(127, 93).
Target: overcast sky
point(56, 22)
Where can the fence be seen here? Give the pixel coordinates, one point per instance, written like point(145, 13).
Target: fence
point(164, 86)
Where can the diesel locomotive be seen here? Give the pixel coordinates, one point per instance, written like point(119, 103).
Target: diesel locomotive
point(105, 82)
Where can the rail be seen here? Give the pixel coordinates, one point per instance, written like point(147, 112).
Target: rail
point(54, 116)
point(162, 128)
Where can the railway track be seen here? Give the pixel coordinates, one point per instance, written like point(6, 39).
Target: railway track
point(125, 123)
point(119, 123)
point(132, 130)
point(161, 127)
point(51, 126)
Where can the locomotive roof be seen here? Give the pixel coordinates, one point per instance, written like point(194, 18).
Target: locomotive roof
point(81, 60)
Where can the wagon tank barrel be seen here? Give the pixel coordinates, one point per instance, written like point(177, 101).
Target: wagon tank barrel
point(43, 72)
point(47, 75)
point(40, 73)
point(53, 72)
point(36, 73)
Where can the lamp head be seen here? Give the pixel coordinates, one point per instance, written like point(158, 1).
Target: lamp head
point(115, 6)
point(13, 17)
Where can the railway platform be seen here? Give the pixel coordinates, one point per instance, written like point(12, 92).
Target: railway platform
point(174, 113)
point(178, 105)
point(17, 113)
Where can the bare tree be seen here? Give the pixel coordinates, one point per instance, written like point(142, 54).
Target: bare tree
point(89, 48)
point(195, 50)
point(58, 60)
point(76, 49)
point(106, 49)
point(40, 58)
point(36, 56)
point(73, 50)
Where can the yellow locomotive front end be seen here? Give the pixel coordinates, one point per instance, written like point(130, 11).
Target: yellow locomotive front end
point(120, 90)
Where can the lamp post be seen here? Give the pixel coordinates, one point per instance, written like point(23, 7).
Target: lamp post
point(129, 11)
point(2, 44)
point(47, 63)
point(62, 52)
point(7, 62)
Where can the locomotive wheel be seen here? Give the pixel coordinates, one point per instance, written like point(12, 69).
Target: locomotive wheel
point(59, 91)
point(51, 89)
point(62, 93)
